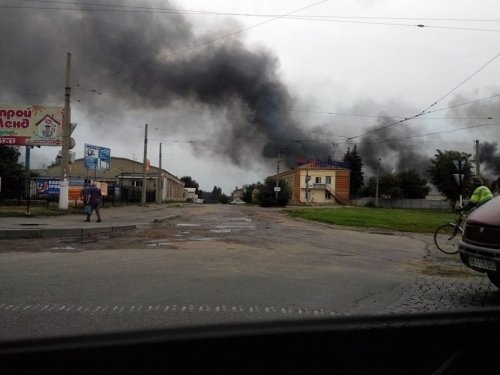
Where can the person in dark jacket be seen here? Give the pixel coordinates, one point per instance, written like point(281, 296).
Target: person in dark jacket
point(94, 199)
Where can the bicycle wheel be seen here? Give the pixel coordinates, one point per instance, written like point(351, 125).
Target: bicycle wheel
point(446, 238)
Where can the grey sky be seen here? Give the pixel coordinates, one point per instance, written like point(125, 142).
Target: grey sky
point(309, 83)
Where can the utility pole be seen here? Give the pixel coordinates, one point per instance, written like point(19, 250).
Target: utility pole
point(277, 188)
point(377, 183)
point(159, 161)
point(478, 172)
point(460, 182)
point(308, 178)
point(64, 183)
point(159, 193)
point(144, 181)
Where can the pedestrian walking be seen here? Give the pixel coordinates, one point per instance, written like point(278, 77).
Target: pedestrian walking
point(84, 192)
point(94, 200)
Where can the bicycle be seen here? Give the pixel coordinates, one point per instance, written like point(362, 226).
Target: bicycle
point(446, 236)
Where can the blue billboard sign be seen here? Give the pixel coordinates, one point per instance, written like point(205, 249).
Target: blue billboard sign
point(45, 186)
point(97, 157)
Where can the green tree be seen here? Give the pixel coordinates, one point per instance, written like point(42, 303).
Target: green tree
point(388, 186)
point(224, 199)
point(215, 196)
point(406, 184)
point(443, 167)
point(412, 184)
point(267, 195)
point(356, 167)
point(248, 191)
point(11, 172)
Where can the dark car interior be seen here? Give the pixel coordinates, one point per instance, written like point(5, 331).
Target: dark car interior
point(458, 342)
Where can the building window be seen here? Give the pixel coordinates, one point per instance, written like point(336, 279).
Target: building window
point(328, 195)
point(318, 180)
point(136, 183)
point(328, 180)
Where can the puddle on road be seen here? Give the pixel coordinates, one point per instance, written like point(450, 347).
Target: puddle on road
point(221, 230)
point(235, 226)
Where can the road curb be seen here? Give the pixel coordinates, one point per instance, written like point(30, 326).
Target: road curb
point(164, 218)
point(12, 234)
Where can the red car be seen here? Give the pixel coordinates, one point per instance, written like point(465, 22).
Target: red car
point(480, 244)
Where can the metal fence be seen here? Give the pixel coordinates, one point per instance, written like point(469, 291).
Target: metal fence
point(116, 195)
point(401, 203)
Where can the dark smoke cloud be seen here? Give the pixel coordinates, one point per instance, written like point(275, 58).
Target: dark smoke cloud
point(490, 157)
point(483, 117)
point(389, 145)
point(225, 77)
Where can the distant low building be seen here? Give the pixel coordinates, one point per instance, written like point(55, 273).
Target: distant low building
point(190, 194)
point(237, 193)
point(128, 173)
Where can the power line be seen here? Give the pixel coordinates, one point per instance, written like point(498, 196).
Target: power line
point(247, 14)
point(336, 141)
point(425, 111)
point(464, 103)
point(93, 7)
point(425, 135)
point(314, 112)
point(200, 45)
point(466, 80)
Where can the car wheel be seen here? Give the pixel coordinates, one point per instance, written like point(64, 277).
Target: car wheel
point(495, 279)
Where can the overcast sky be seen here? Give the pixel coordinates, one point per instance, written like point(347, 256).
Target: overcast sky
point(224, 85)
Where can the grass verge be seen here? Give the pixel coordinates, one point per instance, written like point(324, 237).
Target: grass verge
point(403, 220)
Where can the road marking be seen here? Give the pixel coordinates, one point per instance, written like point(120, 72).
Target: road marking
point(168, 309)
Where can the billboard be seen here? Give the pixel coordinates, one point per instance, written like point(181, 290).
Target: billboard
point(32, 125)
point(46, 186)
point(97, 157)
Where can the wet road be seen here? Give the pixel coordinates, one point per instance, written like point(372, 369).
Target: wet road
point(209, 264)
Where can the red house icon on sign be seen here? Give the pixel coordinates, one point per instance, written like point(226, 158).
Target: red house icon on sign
point(47, 127)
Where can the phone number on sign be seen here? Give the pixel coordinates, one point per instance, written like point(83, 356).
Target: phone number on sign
point(7, 141)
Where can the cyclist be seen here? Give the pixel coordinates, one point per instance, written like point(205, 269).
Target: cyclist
point(480, 195)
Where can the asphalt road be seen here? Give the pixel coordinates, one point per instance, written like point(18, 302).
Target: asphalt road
point(217, 263)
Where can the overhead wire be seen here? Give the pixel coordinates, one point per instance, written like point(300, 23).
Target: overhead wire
point(402, 120)
point(433, 104)
point(208, 42)
point(247, 14)
point(96, 7)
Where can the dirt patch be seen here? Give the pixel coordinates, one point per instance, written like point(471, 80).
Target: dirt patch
point(435, 269)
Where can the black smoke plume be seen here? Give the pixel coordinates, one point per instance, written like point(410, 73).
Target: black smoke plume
point(490, 158)
point(483, 118)
point(394, 146)
point(136, 58)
